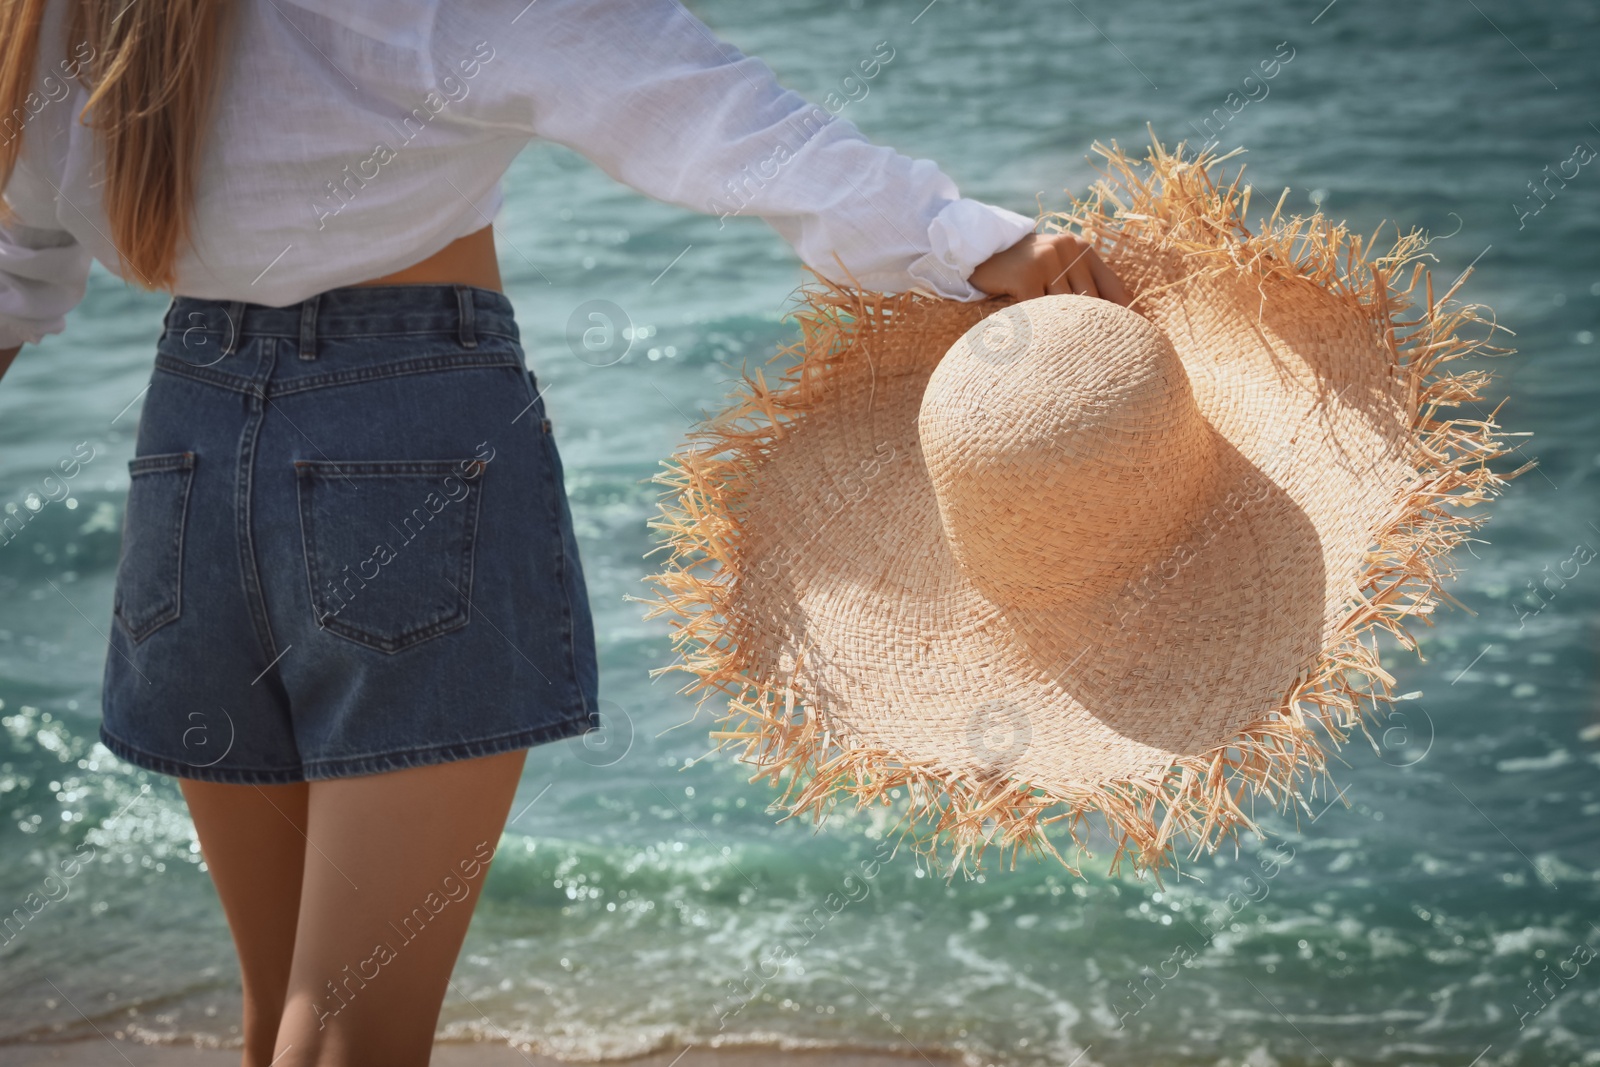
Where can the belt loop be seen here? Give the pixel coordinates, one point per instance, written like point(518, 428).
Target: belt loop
point(235, 313)
point(308, 326)
point(468, 322)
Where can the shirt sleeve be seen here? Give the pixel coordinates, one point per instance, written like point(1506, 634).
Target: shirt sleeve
point(644, 90)
point(43, 269)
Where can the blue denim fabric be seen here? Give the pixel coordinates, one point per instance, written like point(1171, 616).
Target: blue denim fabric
point(347, 546)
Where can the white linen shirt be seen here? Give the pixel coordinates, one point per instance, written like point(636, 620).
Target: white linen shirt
point(351, 140)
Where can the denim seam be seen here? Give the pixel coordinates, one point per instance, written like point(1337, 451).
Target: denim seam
point(425, 365)
point(397, 758)
point(451, 332)
point(249, 572)
point(235, 313)
point(237, 383)
point(380, 468)
point(151, 761)
point(557, 497)
point(308, 326)
point(469, 559)
point(404, 641)
point(158, 462)
point(467, 312)
point(378, 762)
point(558, 502)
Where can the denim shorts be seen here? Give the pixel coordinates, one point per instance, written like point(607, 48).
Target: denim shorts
point(347, 547)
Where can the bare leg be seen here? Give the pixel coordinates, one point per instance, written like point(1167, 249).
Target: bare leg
point(394, 866)
point(253, 841)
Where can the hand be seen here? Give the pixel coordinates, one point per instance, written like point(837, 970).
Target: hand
point(1048, 263)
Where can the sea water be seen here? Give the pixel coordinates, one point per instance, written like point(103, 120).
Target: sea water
point(1441, 911)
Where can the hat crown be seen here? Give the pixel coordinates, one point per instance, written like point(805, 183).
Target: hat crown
point(1065, 449)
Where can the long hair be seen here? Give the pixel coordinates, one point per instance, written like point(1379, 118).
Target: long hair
point(150, 67)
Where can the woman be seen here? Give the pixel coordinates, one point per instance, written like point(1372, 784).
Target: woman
point(349, 598)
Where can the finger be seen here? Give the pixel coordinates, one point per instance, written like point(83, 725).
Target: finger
point(1106, 280)
point(1056, 281)
point(1079, 271)
point(1064, 249)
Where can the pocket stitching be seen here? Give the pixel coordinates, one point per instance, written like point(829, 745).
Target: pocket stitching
point(306, 470)
point(157, 464)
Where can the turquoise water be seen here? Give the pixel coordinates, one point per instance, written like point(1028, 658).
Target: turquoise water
point(1445, 917)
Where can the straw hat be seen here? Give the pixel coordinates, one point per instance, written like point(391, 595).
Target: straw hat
point(1025, 562)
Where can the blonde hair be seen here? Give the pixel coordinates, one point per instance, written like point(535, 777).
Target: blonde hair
point(150, 67)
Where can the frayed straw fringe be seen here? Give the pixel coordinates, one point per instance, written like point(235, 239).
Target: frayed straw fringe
point(1202, 799)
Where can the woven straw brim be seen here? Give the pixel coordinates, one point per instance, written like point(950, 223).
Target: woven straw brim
point(809, 579)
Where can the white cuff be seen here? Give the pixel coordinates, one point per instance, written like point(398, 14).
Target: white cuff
point(963, 235)
point(15, 332)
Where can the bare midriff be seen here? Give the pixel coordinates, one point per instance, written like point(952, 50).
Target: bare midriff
point(468, 260)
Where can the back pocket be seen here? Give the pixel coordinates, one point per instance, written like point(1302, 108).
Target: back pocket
point(149, 588)
point(389, 546)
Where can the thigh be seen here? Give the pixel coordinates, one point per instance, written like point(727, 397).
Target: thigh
point(253, 840)
point(394, 868)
